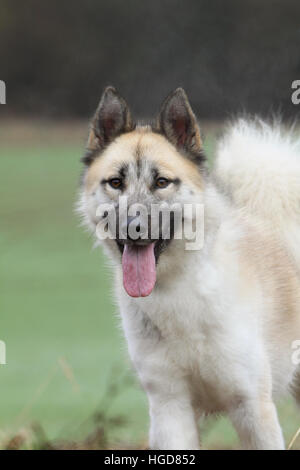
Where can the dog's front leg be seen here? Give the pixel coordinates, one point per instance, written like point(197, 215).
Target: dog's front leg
point(257, 425)
point(173, 424)
point(172, 415)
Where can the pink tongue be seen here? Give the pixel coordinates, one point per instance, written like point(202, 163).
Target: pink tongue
point(139, 274)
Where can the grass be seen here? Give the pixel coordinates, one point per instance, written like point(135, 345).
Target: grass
point(64, 344)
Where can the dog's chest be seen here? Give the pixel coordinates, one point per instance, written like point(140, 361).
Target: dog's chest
point(187, 308)
point(191, 324)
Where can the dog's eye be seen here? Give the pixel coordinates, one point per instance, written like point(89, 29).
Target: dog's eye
point(115, 183)
point(162, 183)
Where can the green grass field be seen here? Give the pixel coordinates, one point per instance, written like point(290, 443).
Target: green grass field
point(64, 344)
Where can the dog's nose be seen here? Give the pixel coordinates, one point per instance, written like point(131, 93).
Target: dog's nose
point(136, 228)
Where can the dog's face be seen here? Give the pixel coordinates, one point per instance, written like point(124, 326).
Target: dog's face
point(134, 169)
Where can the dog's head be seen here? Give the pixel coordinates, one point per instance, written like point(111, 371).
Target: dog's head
point(141, 173)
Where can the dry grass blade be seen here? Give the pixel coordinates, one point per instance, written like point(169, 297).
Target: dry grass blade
point(297, 434)
point(69, 374)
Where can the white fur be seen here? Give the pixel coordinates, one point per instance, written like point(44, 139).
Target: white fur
point(258, 165)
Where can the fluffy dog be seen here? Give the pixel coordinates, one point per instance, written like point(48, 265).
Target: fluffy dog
point(208, 330)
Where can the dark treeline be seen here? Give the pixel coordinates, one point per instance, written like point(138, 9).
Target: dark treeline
point(235, 55)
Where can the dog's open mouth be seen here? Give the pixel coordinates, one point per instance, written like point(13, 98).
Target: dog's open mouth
point(140, 255)
point(139, 266)
point(139, 269)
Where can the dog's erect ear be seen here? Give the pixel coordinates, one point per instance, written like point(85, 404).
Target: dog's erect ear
point(178, 123)
point(111, 119)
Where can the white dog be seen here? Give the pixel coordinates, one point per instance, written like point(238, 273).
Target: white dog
point(208, 330)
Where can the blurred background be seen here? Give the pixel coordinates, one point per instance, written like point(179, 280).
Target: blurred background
point(68, 382)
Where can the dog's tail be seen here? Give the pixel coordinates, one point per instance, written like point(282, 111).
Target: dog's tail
point(258, 165)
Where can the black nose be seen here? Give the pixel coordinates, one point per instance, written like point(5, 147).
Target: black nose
point(134, 222)
point(136, 229)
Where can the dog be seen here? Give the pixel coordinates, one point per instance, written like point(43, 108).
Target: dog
point(209, 330)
